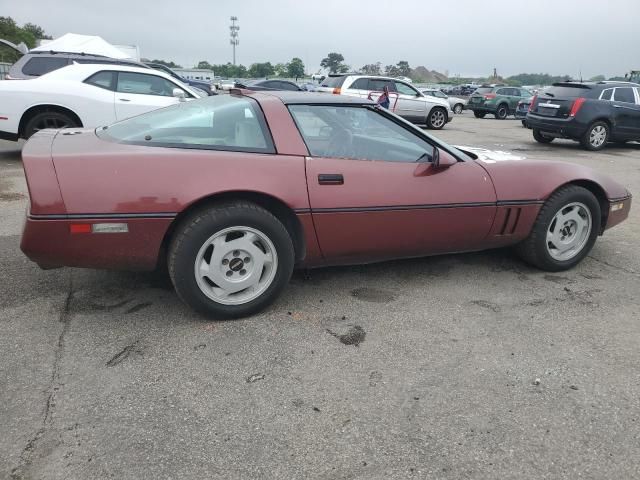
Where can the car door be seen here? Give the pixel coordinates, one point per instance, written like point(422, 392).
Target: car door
point(627, 113)
point(374, 193)
point(411, 103)
point(138, 93)
point(104, 112)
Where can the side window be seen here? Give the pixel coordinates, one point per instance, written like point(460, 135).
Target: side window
point(144, 84)
point(439, 94)
point(377, 84)
point(40, 65)
point(360, 84)
point(224, 122)
point(357, 133)
point(102, 79)
point(501, 91)
point(624, 94)
point(606, 94)
point(405, 89)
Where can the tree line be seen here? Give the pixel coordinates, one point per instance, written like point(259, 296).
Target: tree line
point(333, 63)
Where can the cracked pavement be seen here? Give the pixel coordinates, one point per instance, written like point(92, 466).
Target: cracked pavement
point(453, 367)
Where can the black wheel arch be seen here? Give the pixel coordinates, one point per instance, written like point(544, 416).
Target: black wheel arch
point(277, 207)
point(37, 109)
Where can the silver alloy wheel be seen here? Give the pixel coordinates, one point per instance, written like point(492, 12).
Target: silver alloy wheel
point(236, 265)
point(457, 108)
point(569, 231)
point(437, 119)
point(597, 136)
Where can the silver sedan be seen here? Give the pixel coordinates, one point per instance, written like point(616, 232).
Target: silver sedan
point(456, 104)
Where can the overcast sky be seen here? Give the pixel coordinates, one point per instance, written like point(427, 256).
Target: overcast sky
point(467, 37)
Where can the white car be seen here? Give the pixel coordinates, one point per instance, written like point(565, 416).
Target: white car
point(405, 99)
point(85, 95)
point(456, 104)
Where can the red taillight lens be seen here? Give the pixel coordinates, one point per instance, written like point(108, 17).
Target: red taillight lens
point(533, 100)
point(80, 228)
point(336, 91)
point(489, 96)
point(577, 104)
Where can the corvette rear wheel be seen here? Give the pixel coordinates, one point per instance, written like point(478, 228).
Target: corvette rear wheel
point(230, 260)
point(565, 230)
point(48, 120)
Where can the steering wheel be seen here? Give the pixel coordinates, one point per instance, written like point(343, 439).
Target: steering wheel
point(341, 144)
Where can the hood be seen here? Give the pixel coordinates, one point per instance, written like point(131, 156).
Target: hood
point(517, 178)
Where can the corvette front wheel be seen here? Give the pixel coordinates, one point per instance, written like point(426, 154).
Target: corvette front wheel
point(231, 260)
point(565, 230)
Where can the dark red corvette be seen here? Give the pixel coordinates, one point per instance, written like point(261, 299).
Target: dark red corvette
point(235, 190)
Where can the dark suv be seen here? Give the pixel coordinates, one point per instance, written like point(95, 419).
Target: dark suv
point(498, 100)
point(591, 113)
point(34, 64)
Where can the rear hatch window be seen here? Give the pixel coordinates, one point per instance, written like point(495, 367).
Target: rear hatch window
point(556, 101)
point(40, 65)
point(483, 90)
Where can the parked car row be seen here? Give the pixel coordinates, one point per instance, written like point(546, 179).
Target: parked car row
point(85, 95)
point(37, 63)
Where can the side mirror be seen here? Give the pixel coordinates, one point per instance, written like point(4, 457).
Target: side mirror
point(179, 94)
point(442, 160)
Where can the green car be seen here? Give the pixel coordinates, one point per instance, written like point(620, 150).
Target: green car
point(499, 100)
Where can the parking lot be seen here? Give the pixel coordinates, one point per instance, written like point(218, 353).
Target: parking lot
point(469, 366)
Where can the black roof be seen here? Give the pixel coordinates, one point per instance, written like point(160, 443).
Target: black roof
point(605, 84)
point(305, 98)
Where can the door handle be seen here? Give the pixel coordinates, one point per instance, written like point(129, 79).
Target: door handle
point(124, 99)
point(330, 179)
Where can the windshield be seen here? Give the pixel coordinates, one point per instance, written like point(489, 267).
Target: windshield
point(222, 122)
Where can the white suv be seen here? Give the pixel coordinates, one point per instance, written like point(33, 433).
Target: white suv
point(405, 99)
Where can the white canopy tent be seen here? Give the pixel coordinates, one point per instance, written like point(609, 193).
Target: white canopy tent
point(74, 43)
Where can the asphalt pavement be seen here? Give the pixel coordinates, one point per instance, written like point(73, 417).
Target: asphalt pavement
point(470, 366)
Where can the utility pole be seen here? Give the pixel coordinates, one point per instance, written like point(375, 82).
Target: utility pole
point(234, 36)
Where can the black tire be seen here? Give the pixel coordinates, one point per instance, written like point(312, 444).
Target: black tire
point(479, 114)
point(502, 111)
point(534, 249)
point(588, 141)
point(44, 120)
point(540, 138)
point(437, 118)
point(199, 227)
point(457, 108)
point(524, 124)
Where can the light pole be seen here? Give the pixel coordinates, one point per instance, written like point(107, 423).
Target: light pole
point(234, 36)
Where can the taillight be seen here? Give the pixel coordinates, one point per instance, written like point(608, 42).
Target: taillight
point(577, 104)
point(489, 96)
point(533, 100)
point(336, 91)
